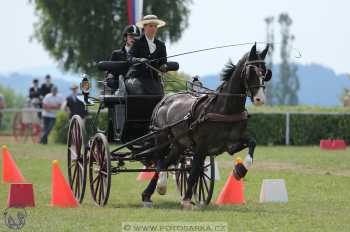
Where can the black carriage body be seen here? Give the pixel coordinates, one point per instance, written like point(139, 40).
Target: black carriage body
point(135, 109)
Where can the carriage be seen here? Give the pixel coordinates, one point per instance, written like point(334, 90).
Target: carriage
point(92, 159)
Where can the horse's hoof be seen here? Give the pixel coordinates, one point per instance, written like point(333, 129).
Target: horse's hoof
point(161, 190)
point(147, 204)
point(187, 205)
point(162, 183)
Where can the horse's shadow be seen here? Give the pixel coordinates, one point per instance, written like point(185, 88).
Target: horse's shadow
point(176, 206)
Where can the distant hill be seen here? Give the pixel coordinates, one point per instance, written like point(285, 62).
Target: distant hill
point(319, 85)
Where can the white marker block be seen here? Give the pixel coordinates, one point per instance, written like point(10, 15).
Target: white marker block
point(273, 190)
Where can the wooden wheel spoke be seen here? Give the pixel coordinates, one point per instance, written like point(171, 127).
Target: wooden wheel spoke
point(95, 179)
point(73, 164)
point(203, 188)
point(97, 187)
point(73, 154)
point(77, 183)
point(74, 175)
point(205, 174)
point(102, 189)
point(80, 166)
point(104, 173)
point(205, 184)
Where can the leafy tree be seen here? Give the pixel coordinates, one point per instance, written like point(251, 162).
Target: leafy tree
point(175, 81)
point(288, 84)
point(77, 33)
point(12, 100)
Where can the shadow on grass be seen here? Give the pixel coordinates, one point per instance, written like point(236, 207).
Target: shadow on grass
point(176, 206)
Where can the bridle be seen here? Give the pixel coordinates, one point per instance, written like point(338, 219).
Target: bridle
point(260, 72)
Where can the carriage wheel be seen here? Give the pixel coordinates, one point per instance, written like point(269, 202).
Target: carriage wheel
point(19, 129)
point(36, 132)
point(100, 169)
point(203, 188)
point(181, 177)
point(77, 157)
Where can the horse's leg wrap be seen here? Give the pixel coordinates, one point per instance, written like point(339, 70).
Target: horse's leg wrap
point(251, 146)
point(171, 158)
point(148, 192)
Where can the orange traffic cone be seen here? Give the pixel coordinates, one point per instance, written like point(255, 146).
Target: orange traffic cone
point(145, 176)
point(232, 193)
point(10, 171)
point(61, 193)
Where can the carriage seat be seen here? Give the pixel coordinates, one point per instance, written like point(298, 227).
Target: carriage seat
point(112, 66)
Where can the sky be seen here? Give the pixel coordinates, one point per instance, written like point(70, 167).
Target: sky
point(320, 28)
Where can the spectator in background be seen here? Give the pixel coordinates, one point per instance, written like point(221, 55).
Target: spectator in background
point(2, 106)
point(73, 105)
point(46, 87)
point(35, 95)
point(51, 104)
point(34, 91)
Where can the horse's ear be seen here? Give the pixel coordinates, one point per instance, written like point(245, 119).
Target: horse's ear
point(252, 54)
point(264, 52)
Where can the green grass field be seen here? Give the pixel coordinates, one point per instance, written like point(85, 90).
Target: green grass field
point(318, 184)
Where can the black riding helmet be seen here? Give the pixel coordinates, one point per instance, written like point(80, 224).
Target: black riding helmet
point(131, 30)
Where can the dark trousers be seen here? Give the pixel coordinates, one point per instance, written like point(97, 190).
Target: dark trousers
point(49, 123)
point(0, 120)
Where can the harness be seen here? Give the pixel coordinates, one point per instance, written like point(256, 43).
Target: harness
point(206, 100)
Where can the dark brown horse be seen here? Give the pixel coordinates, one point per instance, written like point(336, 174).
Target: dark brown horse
point(216, 123)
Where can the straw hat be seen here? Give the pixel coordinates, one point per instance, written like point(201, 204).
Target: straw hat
point(74, 86)
point(151, 19)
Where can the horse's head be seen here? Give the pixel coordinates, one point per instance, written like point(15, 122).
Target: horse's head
point(255, 74)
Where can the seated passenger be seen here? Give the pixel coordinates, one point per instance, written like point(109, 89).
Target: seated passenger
point(130, 34)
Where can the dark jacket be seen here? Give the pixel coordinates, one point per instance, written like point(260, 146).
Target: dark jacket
point(113, 77)
point(34, 93)
point(76, 107)
point(119, 55)
point(44, 89)
point(149, 78)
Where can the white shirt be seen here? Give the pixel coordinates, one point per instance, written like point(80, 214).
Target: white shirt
point(127, 48)
point(49, 99)
point(151, 45)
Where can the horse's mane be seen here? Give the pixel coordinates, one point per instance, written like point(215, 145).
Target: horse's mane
point(227, 71)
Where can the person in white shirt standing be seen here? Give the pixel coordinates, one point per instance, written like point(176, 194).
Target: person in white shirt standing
point(51, 104)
